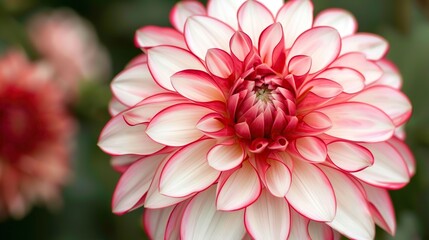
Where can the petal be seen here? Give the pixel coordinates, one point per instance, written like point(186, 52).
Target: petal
point(391, 76)
point(172, 231)
point(312, 149)
point(381, 207)
point(358, 122)
point(271, 47)
point(155, 221)
point(154, 199)
point(224, 157)
point(225, 10)
point(134, 183)
point(197, 86)
point(164, 61)
point(183, 10)
point(324, 88)
point(389, 169)
point(122, 162)
point(176, 125)
point(373, 46)
point(219, 63)
point(349, 156)
point(116, 107)
point(118, 138)
point(406, 154)
point(353, 218)
point(268, 217)
point(152, 36)
point(343, 21)
point(278, 178)
point(187, 171)
point(253, 18)
point(311, 193)
point(299, 65)
point(391, 101)
point(351, 80)
point(239, 190)
point(203, 33)
point(299, 226)
point(296, 17)
point(320, 231)
point(322, 44)
point(358, 61)
point(134, 84)
point(144, 111)
point(202, 220)
point(240, 45)
point(273, 5)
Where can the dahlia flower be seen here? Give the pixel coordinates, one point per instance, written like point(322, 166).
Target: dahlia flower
point(34, 137)
point(250, 119)
point(69, 45)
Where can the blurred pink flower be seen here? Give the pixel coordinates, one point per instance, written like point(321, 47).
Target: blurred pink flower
point(252, 120)
point(69, 45)
point(34, 137)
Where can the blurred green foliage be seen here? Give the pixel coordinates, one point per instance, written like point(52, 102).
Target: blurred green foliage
point(86, 213)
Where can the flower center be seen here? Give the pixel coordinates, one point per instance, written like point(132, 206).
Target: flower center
point(262, 108)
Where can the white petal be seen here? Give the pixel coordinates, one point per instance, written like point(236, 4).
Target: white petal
point(349, 156)
point(296, 17)
point(134, 183)
point(155, 221)
point(152, 36)
point(374, 47)
point(226, 156)
point(299, 226)
point(278, 178)
point(351, 80)
point(225, 10)
point(164, 61)
point(320, 231)
point(312, 149)
point(358, 122)
point(203, 33)
point(311, 193)
point(239, 190)
point(183, 10)
point(176, 125)
point(268, 217)
point(201, 220)
point(187, 171)
point(118, 138)
point(353, 218)
point(340, 19)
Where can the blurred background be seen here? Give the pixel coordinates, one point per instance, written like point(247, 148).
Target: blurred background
point(85, 213)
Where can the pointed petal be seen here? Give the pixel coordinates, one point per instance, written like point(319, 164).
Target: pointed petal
point(201, 220)
point(358, 122)
point(278, 178)
point(154, 199)
point(320, 231)
point(164, 61)
point(240, 190)
point(134, 183)
point(271, 47)
point(389, 169)
point(152, 36)
point(299, 65)
point(118, 138)
point(253, 18)
point(391, 101)
point(299, 226)
point(296, 17)
point(322, 44)
point(155, 221)
point(197, 86)
point(172, 231)
point(219, 63)
point(324, 88)
point(176, 125)
point(144, 111)
point(268, 217)
point(183, 10)
point(203, 33)
point(373, 46)
point(353, 218)
point(311, 193)
point(312, 149)
point(381, 207)
point(224, 157)
point(187, 171)
point(349, 156)
point(240, 45)
point(358, 61)
point(351, 80)
point(134, 84)
point(343, 21)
